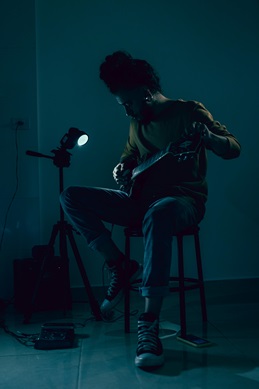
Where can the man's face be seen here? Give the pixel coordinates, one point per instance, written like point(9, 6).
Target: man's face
point(136, 104)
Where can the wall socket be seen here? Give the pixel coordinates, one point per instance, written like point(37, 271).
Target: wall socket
point(16, 120)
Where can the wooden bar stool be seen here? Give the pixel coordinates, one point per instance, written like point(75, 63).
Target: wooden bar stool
point(182, 282)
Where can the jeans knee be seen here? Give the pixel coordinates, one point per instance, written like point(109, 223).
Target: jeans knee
point(170, 215)
point(66, 196)
point(155, 218)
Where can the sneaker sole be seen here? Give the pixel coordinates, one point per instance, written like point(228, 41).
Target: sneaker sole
point(149, 360)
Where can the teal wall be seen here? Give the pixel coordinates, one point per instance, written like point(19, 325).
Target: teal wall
point(206, 51)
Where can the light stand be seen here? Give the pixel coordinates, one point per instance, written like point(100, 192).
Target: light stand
point(64, 230)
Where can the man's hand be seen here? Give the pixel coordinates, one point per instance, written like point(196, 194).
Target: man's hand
point(201, 128)
point(218, 144)
point(121, 175)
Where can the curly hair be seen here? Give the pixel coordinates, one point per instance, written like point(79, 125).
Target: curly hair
point(121, 71)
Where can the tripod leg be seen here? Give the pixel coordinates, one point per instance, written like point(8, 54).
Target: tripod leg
point(92, 301)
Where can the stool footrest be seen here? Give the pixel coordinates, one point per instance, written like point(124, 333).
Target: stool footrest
point(196, 284)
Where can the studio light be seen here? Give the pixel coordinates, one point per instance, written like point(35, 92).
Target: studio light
point(73, 137)
point(62, 228)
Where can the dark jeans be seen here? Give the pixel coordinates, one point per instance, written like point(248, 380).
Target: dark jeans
point(88, 207)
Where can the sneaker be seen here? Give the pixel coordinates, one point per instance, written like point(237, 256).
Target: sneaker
point(115, 290)
point(150, 349)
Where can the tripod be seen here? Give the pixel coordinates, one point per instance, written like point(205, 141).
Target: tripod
point(64, 230)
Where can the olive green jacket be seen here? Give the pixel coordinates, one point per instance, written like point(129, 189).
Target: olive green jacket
point(169, 176)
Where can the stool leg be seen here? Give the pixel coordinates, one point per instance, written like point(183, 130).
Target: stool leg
point(127, 287)
point(181, 286)
point(200, 277)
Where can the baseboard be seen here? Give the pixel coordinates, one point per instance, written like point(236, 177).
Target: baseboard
point(241, 290)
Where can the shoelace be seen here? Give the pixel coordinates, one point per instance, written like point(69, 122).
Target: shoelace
point(115, 281)
point(148, 337)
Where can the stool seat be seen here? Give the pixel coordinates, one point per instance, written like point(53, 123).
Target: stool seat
point(182, 282)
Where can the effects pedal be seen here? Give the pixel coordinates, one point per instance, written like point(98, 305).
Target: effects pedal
point(55, 336)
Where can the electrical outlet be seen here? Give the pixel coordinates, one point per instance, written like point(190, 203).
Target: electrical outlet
point(19, 123)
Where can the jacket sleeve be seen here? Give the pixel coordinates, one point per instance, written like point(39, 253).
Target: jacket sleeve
point(201, 114)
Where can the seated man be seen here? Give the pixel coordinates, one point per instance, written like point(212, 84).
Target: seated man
point(165, 198)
